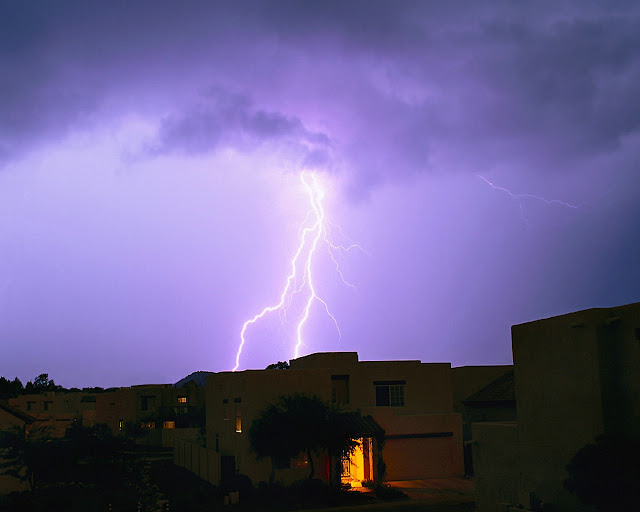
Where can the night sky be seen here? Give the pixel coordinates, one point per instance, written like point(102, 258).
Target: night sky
point(485, 156)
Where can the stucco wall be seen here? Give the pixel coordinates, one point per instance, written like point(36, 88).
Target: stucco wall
point(256, 389)
point(576, 378)
point(496, 463)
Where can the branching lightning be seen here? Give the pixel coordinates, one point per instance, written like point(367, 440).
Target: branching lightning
point(519, 197)
point(313, 232)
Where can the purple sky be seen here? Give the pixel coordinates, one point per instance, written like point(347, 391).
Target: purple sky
point(150, 199)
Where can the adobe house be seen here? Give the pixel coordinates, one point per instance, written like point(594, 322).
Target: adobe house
point(410, 400)
point(480, 394)
point(576, 377)
point(12, 417)
point(166, 412)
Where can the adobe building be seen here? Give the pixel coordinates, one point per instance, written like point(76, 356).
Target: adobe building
point(576, 377)
point(410, 400)
point(163, 412)
point(481, 394)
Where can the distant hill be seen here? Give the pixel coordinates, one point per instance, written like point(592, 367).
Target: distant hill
point(198, 377)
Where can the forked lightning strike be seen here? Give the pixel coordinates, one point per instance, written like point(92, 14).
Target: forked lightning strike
point(519, 197)
point(310, 237)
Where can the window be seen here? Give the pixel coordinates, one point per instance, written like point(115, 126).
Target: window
point(121, 425)
point(225, 408)
point(340, 389)
point(30, 406)
point(217, 443)
point(168, 424)
point(390, 392)
point(48, 406)
point(182, 399)
point(148, 403)
point(238, 407)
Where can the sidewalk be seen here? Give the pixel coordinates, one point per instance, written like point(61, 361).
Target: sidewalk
point(450, 491)
point(433, 495)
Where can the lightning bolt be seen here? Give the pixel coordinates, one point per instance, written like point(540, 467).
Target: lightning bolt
point(313, 231)
point(519, 197)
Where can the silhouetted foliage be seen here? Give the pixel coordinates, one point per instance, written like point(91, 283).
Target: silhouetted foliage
point(605, 474)
point(41, 384)
point(305, 424)
point(10, 388)
point(280, 365)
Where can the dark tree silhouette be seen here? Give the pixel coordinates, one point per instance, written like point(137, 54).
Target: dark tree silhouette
point(280, 365)
point(306, 424)
point(605, 474)
point(10, 388)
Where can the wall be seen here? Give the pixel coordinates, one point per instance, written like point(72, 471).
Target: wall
point(420, 446)
point(466, 380)
point(575, 378)
point(426, 414)
point(201, 461)
point(496, 462)
point(256, 389)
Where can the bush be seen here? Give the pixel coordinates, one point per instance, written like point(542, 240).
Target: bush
point(605, 474)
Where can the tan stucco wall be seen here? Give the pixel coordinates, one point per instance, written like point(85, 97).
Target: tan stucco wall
point(575, 377)
point(467, 380)
point(428, 409)
point(414, 457)
point(496, 463)
point(257, 389)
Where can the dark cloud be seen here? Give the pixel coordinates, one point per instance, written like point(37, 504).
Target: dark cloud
point(429, 86)
point(225, 119)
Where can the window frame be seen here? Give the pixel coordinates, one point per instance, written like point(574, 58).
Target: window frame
point(390, 393)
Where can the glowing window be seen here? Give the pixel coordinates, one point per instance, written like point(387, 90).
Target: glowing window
point(182, 399)
point(169, 424)
point(121, 425)
point(238, 408)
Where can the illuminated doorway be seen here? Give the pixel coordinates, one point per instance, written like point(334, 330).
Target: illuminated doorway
point(358, 467)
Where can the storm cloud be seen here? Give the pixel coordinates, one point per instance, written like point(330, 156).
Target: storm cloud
point(167, 137)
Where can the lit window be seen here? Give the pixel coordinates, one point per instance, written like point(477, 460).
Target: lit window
point(238, 407)
point(390, 393)
point(121, 425)
point(182, 399)
point(149, 424)
point(169, 424)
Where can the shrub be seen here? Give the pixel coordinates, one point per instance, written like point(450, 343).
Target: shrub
point(605, 474)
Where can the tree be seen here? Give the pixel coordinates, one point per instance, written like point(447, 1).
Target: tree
point(10, 389)
point(280, 365)
point(305, 424)
point(605, 474)
point(41, 384)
